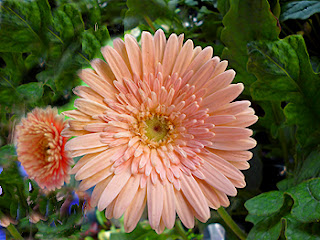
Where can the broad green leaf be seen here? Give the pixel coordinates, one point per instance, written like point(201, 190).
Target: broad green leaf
point(246, 21)
point(284, 73)
point(141, 232)
point(269, 226)
point(7, 153)
point(92, 41)
point(267, 229)
point(91, 10)
point(63, 24)
point(276, 65)
point(32, 92)
point(22, 25)
point(310, 167)
point(306, 197)
point(68, 21)
point(66, 229)
point(13, 209)
point(275, 7)
point(13, 71)
point(295, 210)
point(24, 39)
point(273, 118)
point(139, 9)
point(315, 62)
point(299, 9)
point(12, 185)
point(297, 230)
point(45, 13)
point(47, 78)
point(223, 6)
point(286, 184)
point(265, 203)
point(191, 3)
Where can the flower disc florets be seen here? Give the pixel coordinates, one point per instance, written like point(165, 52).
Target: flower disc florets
point(40, 148)
point(155, 130)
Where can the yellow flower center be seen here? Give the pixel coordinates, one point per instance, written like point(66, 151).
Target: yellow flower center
point(156, 128)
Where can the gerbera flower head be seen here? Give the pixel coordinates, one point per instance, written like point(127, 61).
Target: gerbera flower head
point(41, 148)
point(156, 127)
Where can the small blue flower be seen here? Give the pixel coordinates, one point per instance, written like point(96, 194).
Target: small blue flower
point(21, 170)
point(53, 224)
point(2, 234)
point(75, 201)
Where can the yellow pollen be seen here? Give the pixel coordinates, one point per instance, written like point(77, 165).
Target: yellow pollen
point(155, 130)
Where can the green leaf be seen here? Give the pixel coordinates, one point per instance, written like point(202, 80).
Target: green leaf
point(295, 210)
point(63, 24)
point(101, 218)
point(68, 21)
point(32, 92)
point(276, 63)
point(13, 209)
point(315, 62)
point(297, 230)
point(265, 203)
point(45, 13)
point(139, 9)
point(306, 197)
point(141, 232)
point(92, 41)
point(299, 10)
point(284, 73)
point(246, 21)
point(7, 152)
point(223, 6)
point(310, 167)
point(273, 118)
point(286, 184)
point(275, 7)
point(269, 226)
point(69, 227)
point(22, 24)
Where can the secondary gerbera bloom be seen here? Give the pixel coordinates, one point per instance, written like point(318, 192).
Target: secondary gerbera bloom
point(40, 148)
point(157, 127)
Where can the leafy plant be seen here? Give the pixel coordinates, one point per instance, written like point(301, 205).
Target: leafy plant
point(271, 44)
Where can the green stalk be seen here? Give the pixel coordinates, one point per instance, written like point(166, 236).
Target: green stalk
point(180, 230)
point(148, 20)
point(14, 232)
point(231, 224)
point(12, 229)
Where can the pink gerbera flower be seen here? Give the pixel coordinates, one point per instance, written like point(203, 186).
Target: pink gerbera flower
point(40, 148)
point(157, 127)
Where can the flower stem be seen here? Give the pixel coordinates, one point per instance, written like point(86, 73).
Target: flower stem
point(148, 20)
point(14, 232)
point(180, 230)
point(231, 224)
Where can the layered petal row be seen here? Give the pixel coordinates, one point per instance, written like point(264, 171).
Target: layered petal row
point(156, 126)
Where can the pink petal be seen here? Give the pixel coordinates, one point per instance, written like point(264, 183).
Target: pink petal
point(193, 193)
point(126, 196)
point(155, 203)
point(184, 210)
point(135, 210)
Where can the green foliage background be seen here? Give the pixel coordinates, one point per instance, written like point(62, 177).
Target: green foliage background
point(273, 46)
